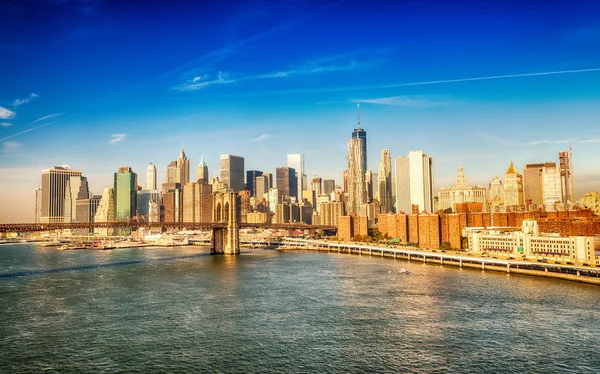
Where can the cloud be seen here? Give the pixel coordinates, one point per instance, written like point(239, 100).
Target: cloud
point(219, 54)
point(199, 82)
point(261, 138)
point(10, 147)
point(413, 101)
point(540, 142)
point(590, 141)
point(321, 65)
point(26, 100)
point(53, 115)
point(116, 138)
point(26, 131)
point(424, 83)
point(5, 124)
point(6, 113)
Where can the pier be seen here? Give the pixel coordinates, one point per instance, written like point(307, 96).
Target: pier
point(575, 273)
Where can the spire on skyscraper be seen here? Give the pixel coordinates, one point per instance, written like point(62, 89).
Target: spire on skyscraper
point(358, 110)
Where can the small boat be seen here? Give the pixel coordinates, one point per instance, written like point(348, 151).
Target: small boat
point(403, 271)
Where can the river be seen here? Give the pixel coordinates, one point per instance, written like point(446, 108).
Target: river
point(183, 310)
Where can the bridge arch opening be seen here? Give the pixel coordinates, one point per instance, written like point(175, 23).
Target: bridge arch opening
point(226, 212)
point(218, 213)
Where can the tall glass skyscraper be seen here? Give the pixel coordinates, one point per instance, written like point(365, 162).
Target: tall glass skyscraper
point(360, 133)
point(125, 186)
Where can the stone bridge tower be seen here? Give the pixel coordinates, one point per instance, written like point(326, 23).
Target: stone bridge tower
point(226, 211)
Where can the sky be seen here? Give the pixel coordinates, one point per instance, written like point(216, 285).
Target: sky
point(100, 84)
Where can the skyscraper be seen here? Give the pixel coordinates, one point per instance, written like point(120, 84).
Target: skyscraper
point(262, 186)
point(384, 181)
point(151, 177)
point(183, 169)
point(360, 133)
point(287, 183)
point(77, 188)
point(564, 160)
point(251, 176)
point(513, 187)
point(125, 186)
point(328, 186)
point(356, 188)
point(414, 183)
point(202, 171)
point(232, 172)
point(38, 205)
point(316, 186)
point(54, 184)
point(296, 161)
point(105, 212)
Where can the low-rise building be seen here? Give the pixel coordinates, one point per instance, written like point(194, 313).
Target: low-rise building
point(530, 243)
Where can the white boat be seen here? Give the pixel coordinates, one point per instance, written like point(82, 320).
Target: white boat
point(403, 271)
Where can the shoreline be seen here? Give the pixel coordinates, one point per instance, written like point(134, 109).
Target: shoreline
point(416, 255)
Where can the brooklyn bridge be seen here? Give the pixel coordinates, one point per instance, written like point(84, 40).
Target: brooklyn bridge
point(225, 225)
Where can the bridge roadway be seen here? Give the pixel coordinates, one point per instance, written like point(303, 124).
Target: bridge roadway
point(583, 274)
point(34, 227)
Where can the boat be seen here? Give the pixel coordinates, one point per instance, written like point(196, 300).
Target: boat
point(403, 271)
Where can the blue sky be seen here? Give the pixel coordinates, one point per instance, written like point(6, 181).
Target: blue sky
point(99, 84)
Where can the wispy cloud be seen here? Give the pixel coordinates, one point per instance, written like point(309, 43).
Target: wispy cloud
point(10, 147)
point(116, 138)
point(321, 65)
point(26, 100)
point(6, 113)
point(425, 83)
point(53, 115)
point(26, 131)
point(203, 81)
point(5, 124)
point(541, 142)
point(219, 54)
point(412, 101)
point(261, 138)
point(590, 141)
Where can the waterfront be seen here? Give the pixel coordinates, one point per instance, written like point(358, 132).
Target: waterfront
point(180, 309)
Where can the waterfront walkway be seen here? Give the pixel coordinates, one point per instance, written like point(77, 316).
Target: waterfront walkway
point(568, 272)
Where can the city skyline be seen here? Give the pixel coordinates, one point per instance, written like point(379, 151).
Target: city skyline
point(492, 99)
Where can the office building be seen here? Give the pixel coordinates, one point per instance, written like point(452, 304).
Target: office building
point(316, 186)
point(384, 181)
point(76, 188)
point(461, 193)
point(262, 186)
point(287, 183)
point(105, 212)
point(251, 176)
point(296, 162)
point(496, 195)
point(355, 175)
point(566, 178)
point(202, 171)
point(146, 203)
point(513, 187)
point(125, 190)
point(328, 186)
point(232, 172)
point(414, 183)
point(197, 202)
point(54, 184)
point(151, 177)
point(360, 133)
point(38, 205)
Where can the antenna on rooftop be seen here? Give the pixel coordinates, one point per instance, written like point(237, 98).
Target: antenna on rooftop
point(358, 110)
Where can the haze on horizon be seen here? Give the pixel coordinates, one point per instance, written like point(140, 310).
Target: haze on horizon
point(100, 84)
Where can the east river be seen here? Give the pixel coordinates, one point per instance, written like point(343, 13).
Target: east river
point(182, 310)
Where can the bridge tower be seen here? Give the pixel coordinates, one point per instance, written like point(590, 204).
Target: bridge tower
point(226, 210)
